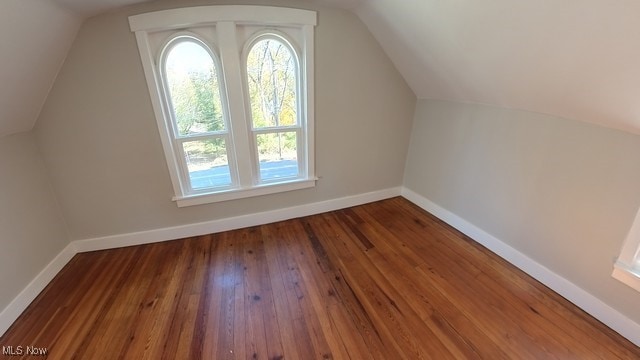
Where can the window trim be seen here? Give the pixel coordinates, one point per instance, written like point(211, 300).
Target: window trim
point(225, 18)
point(234, 194)
point(627, 267)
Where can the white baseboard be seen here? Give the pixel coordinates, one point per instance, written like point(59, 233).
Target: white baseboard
point(209, 227)
point(22, 301)
point(584, 300)
point(573, 293)
point(10, 313)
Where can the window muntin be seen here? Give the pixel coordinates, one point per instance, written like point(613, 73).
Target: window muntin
point(272, 76)
point(197, 115)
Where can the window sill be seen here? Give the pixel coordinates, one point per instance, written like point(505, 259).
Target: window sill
point(233, 194)
point(627, 275)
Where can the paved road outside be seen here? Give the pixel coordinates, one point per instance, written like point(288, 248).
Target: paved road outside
point(219, 175)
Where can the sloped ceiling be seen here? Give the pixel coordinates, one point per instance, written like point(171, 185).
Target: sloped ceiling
point(86, 8)
point(577, 59)
point(35, 37)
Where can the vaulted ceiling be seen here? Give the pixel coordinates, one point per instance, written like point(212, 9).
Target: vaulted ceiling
point(577, 59)
point(35, 37)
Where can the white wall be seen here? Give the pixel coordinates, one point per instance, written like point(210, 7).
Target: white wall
point(562, 192)
point(573, 59)
point(35, 37)
point(32, 231)
point(100, 140)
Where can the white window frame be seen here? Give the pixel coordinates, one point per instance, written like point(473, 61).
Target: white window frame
point(627, 267)
point(231, 66)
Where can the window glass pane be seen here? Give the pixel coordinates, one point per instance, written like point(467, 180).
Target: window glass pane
point(271, 73)
point(278, 155)
point(207, 163)
point(194, 90)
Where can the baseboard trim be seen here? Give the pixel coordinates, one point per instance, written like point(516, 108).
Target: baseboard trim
point(209, 227)
point(9, 315)
point(581, 298)
point(562, 286)
point(20, 303)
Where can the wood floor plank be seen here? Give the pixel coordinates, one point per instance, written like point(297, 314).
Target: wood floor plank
point(104, 293)
point(438, 309)
point(401, 274)
point(449, 271)
point(213, 303)
point(384, 280)
point(335, 237)
point(231, 279)
point(183, 329)
point(306, 323)
point(284, 316)
point(389, 309)
point(240, 303)
point(528, 292)
point(319, 290)
point(303, 321)
point(266, 297)
point(62, 305)
point(431, 304)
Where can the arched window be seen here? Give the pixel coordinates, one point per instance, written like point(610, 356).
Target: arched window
point(277, 125)
point(232, 90)
point(197, 112)
point(627, 267)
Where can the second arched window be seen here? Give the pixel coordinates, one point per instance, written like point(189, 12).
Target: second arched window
point(272, 70)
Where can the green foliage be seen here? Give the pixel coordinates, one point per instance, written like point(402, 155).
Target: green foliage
point(195, 95)
point(196, 102)
point(271, 73)
point(209, 152)
point(277, 146)
point(194, 89)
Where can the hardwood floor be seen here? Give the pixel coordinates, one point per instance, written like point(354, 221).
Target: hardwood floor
point(384, 280)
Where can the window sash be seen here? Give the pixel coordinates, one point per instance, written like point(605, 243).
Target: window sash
point(300, 155)
point(184, 168)
point(277, 129)
point(201, 136)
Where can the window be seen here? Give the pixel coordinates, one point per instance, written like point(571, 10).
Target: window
point(196, 115)
point(272, 68)
point(627, 267)
point(232, 91)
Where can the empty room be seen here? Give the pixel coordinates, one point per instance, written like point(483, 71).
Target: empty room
point(319, 179)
